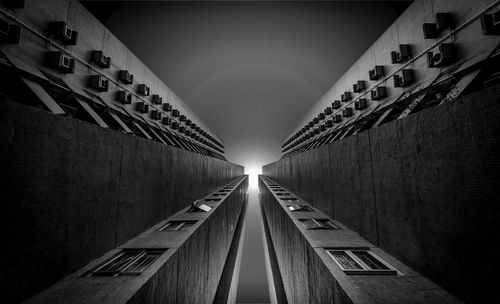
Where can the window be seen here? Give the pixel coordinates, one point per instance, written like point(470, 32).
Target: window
point(213, 199)
point(360, 261)
point(283, 193)
point(177, 225)
point(128, 262)
point(291, 200)
point(319, 224)
point(197, 206)
point(299, 208)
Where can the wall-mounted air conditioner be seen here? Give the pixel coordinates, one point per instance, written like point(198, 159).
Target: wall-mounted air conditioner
point(402, 55)
point(359, 86)
point(101, 60)
point(403, 79)
point(360, 104)
point(60, 61)
point(99, 83)
point(143, 90)
point(347, 112)
point(443, 55)
point(125, 77)
point(142, 107)
point(124, 97)
point(62, 32)
point(378, 93)
point(376, 73)
point(9, 33)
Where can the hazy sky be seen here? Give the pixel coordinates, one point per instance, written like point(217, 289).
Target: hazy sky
point(250, 70)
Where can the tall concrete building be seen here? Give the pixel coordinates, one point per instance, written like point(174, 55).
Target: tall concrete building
point(115, 191)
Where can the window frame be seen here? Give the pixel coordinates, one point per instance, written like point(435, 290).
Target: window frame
point(140, 253)
point(301, 208)
point(181, 225)
point(331, 225)
point(366, 270)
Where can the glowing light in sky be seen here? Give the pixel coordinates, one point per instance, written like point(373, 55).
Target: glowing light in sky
point(253, 172)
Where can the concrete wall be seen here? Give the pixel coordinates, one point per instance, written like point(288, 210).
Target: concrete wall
point(29, 56)
point(71, 191)
point(424, 188)
point(472, 47)
point(188, 272)
point(310, 275)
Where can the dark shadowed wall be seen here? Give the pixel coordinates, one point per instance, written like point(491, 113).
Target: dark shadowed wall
point(423, 188)
point(72, 191)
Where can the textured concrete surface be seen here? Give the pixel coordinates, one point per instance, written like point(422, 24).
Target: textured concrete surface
point(422, 188)
point(188, 272)
point(310, 275)
point(472, 47)
point(72, 191)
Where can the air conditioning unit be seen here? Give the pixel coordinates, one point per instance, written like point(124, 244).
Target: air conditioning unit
point(329, 123)
point(155, 114)
point(125, 77)
point(316, 131)
point(336, 104)
point(142, 107)
point(402, 55)
point(490, 23)
point(98, 83)
point(311, 124)
point(322, 128)
point(188, 132)
point(194, 126)
point(315, 120)
point(9, 33)
point(166, 121)
point(360, 104)
point(182, 118)
point(347, 112)
point(167, 107)
point(62, 32)
point(345, 97)
point(337, 118)
point(404, 79)
point(359, 86)
point(376, 73)
point(175, 113)
point(444, 55)
point(328, 111)
point(60, 61)
point(101, 60)
point(124, 97)
point(321, 116)
point(188, 122)
point(378, 93)
point(156, 99)
point(182, 129)
point(143, 90)
point(14, 3)
point(175, 125)
point(193, 135)
point(433, 30)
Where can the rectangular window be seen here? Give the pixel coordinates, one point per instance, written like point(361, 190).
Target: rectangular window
point(177, 225)
point(319, 224)
point(283, 193)
point(197, 206)
point(299, 208)
point(213, 199)
point(360, 261)
point(128, 262)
